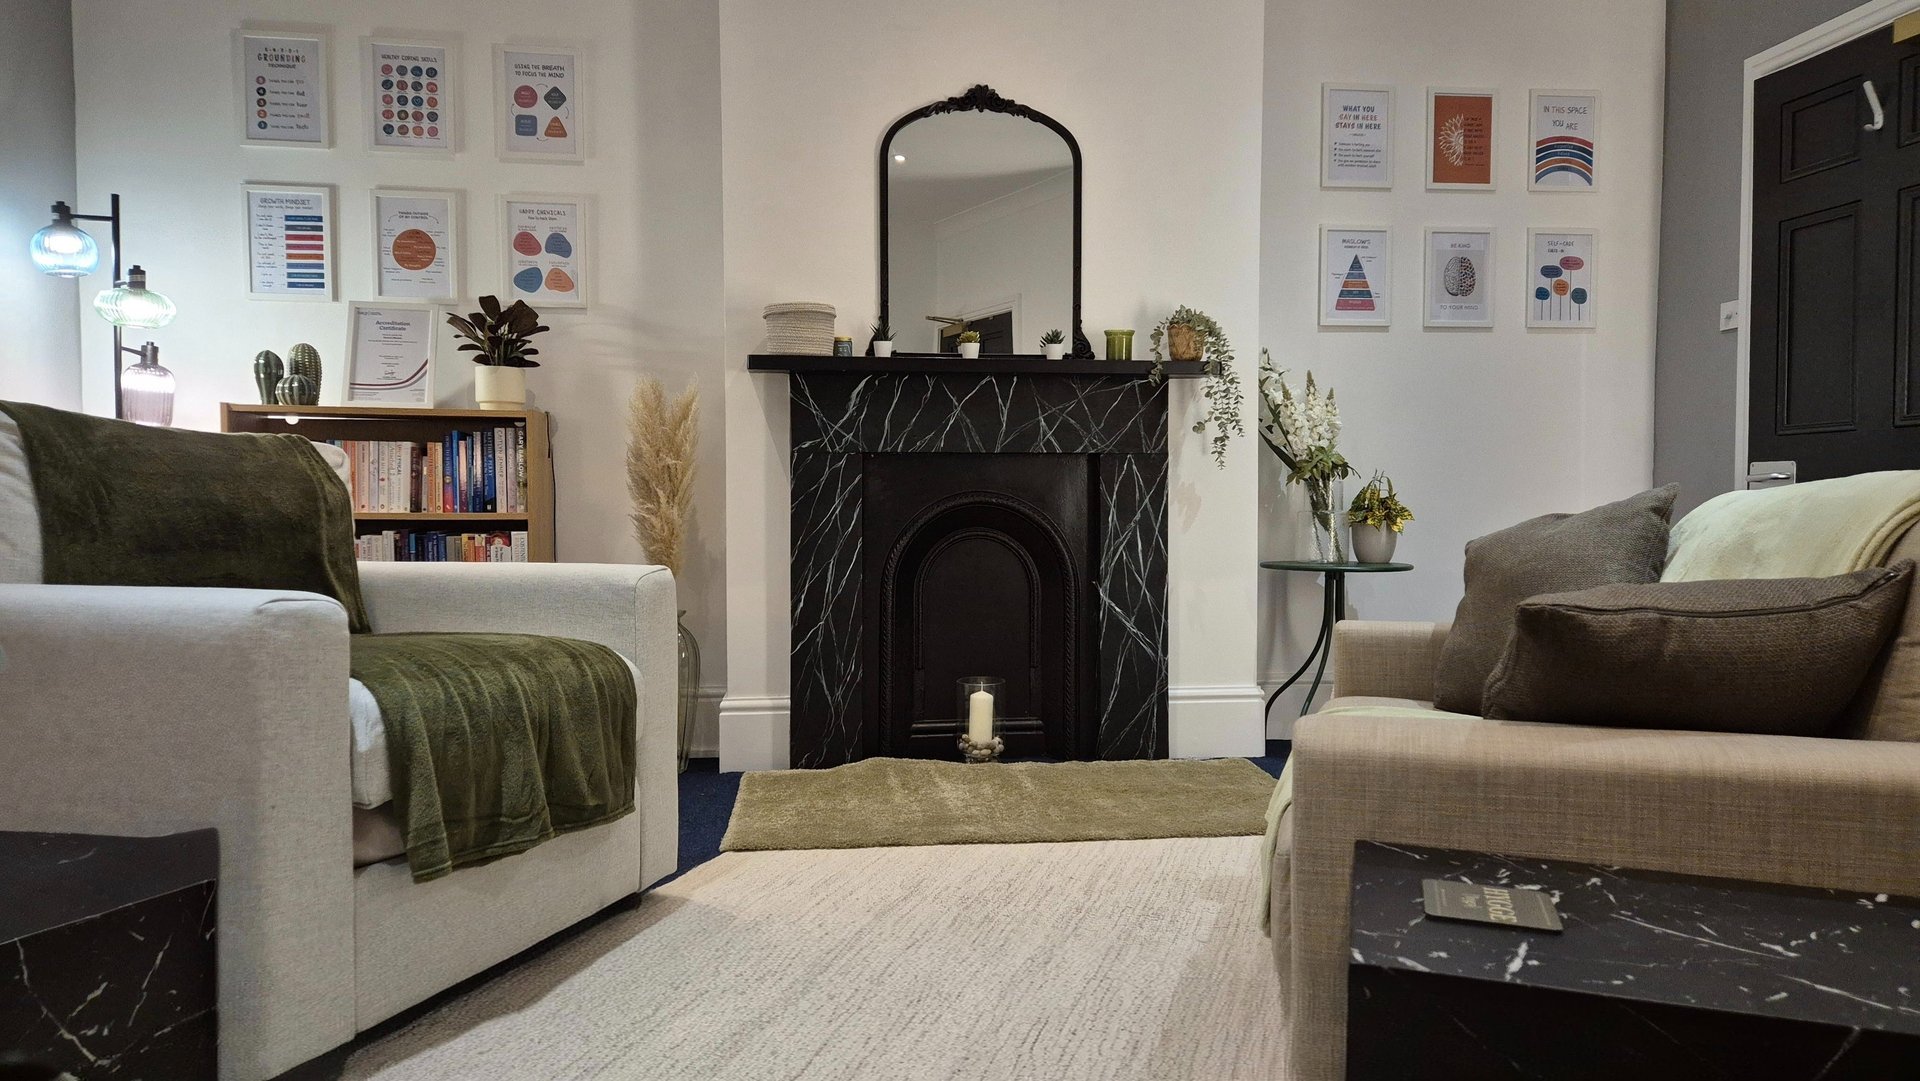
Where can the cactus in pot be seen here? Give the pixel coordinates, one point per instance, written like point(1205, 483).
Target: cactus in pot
point(301, 386)
point(267, 371)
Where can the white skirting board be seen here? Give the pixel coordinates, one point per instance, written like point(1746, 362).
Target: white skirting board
point(1202, 722)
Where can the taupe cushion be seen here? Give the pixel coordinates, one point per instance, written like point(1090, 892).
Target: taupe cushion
point(1774, 656)
point(1623, 542)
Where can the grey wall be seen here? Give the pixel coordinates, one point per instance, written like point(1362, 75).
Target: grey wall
point(40, 348)
point(1708, 42)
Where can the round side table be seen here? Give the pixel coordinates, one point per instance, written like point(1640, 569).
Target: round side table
point(1332, 610)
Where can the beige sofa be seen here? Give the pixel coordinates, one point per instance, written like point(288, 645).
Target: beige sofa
point(1378, 764)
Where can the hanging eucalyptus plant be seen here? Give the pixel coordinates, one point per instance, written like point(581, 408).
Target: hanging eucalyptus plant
point(1222, 389)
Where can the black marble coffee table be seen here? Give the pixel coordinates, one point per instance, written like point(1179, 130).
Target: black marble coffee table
point(1654, 976)
point(107, 953)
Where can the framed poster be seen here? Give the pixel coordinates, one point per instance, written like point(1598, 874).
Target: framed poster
point(1459, 278)
point(1460, 128)
point(1565, 128)
point(1356, 136)
point(1560, 278)
point(1356, 274)
point(390, 354)
point(407, 95)
point(538, 94)
point(289, 231)
point(416, 244)
point(545, 256)
point(282, 88)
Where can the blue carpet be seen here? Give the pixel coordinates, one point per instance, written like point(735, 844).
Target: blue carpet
point(706, 803)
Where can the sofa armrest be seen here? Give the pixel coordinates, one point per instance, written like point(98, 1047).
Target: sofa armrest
point(1383, 659)
point(1810, 812)
point(141, 711)
point(627, 608)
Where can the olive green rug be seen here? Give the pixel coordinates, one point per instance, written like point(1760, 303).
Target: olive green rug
point(884, 802)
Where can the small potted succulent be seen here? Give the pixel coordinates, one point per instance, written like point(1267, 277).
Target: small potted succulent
point(969, 343)
point(1377, 517)
point(498, 337)
point(882, 339)
point(1054, 344)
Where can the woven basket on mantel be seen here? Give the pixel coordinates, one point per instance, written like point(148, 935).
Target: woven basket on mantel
point(803, 327)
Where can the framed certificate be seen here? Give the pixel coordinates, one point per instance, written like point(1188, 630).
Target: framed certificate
point(289, 231)
point(1460, 134)
point(282, 88)
point(1459, 278)
point(1356, 136)
point(1356, 276)
point(1563, 139)
point(539, 94)
point(545, 249)
point(390, 354)
point(416, 244)
point(408, 95)
point(1560, 278)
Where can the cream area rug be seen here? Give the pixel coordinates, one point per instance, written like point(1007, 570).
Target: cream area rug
point(1096, 961)
point(913, 801)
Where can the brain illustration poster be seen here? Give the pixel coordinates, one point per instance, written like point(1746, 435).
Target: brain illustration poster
point(538, 96)
point(283, 88)
point(1356, 272)
point(1460, 127)
point(546, 250)
point(1356, 136)
point(1562, 142)
point(416, 240)
point(409, 96)
point(1459, 278)
point(1560, 278)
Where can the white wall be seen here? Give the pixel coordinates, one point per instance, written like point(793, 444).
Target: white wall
point(40, 350)
point(652, 175)
point(808, 90)
point(1480, 428)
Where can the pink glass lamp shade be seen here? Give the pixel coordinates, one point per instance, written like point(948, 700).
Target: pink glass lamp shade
point(146, 390)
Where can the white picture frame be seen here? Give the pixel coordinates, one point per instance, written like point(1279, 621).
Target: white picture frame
point(1562, 279)
point(289, 255)
point(540, 215)
point(275, 69)
point(418, 243)
point(1344, 299)
point(1458, 294)
point(394, 123)
point(1356, 136)
point(526, 110)
point(390, 354)
point(1563, 140)
point(1470, 136)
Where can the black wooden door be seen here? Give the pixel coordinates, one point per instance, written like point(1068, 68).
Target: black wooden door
point(1835, 359)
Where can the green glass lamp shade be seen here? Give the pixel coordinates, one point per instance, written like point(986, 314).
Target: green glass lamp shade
point(132, 304)
point(64, 250)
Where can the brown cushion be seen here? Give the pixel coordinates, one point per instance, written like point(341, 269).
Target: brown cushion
point(1781, 656)
point(1555, 553)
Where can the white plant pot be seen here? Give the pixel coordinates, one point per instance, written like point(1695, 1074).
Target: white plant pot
point(883, 348)
point(1373, 543)
point(496, 386)
point(1055, 350)
point(970, 350)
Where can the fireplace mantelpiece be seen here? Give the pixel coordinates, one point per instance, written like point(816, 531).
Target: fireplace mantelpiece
point(845, 411)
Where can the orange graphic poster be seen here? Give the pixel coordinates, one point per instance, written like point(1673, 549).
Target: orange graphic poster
point(1459, 139)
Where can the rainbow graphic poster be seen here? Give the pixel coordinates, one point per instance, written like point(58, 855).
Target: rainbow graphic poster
point(1355, 276)
point(1560, 279)
point(1564, 135)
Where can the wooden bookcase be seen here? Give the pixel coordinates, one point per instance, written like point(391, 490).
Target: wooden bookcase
point(323, 422)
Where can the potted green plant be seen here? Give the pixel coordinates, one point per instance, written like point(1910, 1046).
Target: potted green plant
point(1054, 344)
point(1377, 518)
point(498, 337)
point(968, 342)
point(1193, 335)
point(882, 339)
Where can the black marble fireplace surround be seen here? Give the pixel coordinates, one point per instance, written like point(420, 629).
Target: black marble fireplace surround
point(947, 518)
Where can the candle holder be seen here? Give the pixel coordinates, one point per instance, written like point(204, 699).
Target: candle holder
point(977, 701)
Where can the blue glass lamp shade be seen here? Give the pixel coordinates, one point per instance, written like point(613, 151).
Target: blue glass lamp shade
point(64, 250)
point(132, 304)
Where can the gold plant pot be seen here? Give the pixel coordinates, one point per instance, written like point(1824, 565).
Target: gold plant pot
point(1185, 342)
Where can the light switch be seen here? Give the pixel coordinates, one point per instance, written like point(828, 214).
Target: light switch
point(1730, 315)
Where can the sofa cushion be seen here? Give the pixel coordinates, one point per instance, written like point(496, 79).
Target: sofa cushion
point(1775, 656)
point(1888, 706)
point(1623, 542)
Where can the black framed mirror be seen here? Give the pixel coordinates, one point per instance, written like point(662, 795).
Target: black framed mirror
point(980, 221)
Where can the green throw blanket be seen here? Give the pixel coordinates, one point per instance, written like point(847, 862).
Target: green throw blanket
point(499, 741)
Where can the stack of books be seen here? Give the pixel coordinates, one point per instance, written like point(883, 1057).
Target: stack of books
point(439, 546)
point(467, 472)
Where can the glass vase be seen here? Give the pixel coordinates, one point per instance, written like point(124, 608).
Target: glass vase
point(1324, 501)
point(689, 688)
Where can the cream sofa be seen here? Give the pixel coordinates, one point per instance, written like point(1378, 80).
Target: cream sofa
point(1378, 764)
point(151, 710)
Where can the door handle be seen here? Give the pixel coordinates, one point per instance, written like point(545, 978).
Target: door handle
point(1771, 474)
point(1873, 102)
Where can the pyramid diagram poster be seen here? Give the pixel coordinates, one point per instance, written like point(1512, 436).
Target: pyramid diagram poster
point(1355, 277)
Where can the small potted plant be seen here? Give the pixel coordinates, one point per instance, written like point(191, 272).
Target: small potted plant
point(498, 339)
point(1377, 517)
point(1054, 344)
point(969, 343)
point(1191, 335)
point(882, 339)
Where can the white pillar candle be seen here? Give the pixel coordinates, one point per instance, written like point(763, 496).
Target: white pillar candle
point(980, 716)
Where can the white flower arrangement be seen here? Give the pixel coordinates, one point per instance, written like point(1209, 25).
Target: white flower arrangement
point(1296, 425)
